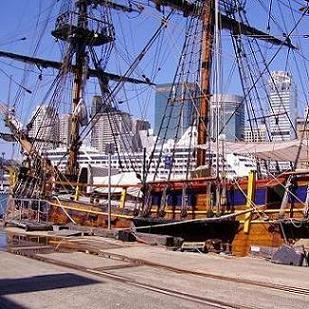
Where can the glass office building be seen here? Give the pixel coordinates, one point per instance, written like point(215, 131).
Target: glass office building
point(174, 109)
point(231, 116)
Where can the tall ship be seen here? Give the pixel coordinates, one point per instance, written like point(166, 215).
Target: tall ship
point(180, 183)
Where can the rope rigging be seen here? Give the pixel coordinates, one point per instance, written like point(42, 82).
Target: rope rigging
point(187, 72)
point(111, 103)
point(249, 57)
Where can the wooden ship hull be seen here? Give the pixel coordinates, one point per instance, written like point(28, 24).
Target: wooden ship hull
point(252, 213)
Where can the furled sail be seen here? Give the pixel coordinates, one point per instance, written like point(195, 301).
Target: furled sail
point(81, 111)
point(274, 151)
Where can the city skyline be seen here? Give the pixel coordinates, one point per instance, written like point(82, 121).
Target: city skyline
point(18, 11)
point(233, 118)
point(116, 127)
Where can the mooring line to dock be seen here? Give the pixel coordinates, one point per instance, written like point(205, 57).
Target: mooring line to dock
point(222, 218)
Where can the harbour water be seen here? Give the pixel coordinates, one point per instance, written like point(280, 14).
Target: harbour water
point(3, 203)
point(3, 241)
point(3, 237)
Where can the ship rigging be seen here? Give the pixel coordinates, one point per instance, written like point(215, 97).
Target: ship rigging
point(86, 32)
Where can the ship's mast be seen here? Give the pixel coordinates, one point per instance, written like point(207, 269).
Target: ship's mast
point(73, 27)
point(236, 27)
point(207, 43)
point(80, 47)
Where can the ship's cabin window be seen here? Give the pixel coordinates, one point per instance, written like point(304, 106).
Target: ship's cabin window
point(83, 176)
point(275, 195)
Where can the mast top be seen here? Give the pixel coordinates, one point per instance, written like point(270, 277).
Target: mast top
point(113, 5)
point(228, 10)
point(96, 33)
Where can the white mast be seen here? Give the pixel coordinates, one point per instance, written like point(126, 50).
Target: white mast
point(217, 83)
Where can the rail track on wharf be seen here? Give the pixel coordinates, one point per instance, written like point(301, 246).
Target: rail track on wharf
point(210, 302)
point(278, 287)
point(181, 295)
point(136, 261)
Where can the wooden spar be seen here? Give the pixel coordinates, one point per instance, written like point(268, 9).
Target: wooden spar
point(23, 139)
point(89, 210)
point(80, 46)
point(115, 6)
point(226, 22)
point(207, 43)
point(44, 63)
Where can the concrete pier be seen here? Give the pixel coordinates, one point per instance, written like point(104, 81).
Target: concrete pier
point(138, 276)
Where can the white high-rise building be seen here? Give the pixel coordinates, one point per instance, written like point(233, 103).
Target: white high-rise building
point(231, 116)
point(65, 124)
point(283, 102)
point(256, 134)
point(113, 127)
point(44, 127)
point(138, 125)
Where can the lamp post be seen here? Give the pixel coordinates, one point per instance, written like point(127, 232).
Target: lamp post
point(2, 172)
point(109, 151)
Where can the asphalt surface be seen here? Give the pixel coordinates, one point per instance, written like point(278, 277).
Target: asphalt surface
point(26, 283)
point(97, 282)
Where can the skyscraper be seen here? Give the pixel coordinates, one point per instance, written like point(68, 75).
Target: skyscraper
point(44, 126)
point(283, 102)
point(97, 104)
point(137, 126)
point(65, 123)
point(231, 116)
point(174, 114)
point(255, 134)
point(113, 127)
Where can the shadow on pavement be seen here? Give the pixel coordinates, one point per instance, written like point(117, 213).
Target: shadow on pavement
point(9, 304)
point(42, 283)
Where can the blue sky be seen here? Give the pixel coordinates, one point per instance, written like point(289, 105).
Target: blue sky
point(19, 19)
